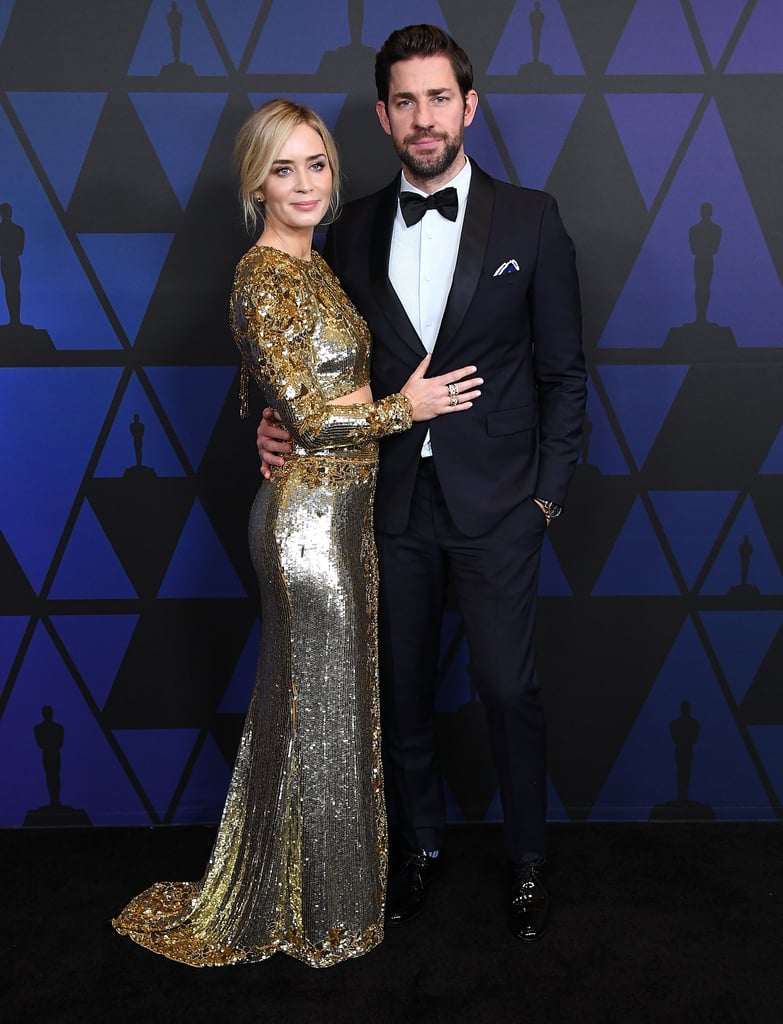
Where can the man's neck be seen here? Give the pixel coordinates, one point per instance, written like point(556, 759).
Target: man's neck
point(430, 185)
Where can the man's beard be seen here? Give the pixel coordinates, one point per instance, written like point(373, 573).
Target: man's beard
point(427, 166)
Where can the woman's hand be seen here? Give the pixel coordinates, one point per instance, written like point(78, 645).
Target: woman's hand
point(450, 392)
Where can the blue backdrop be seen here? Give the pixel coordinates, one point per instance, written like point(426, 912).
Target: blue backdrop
point(128, 615)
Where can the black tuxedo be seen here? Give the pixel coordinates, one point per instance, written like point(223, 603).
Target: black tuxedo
point(468, 511)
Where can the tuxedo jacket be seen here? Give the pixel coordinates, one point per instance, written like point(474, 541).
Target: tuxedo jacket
point(521, 329)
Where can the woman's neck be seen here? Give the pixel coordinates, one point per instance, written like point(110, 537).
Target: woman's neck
point(298, 244)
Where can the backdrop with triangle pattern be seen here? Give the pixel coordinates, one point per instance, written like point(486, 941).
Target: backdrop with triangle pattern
point(128, 609)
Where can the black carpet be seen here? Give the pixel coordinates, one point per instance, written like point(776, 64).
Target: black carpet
point(651, 923)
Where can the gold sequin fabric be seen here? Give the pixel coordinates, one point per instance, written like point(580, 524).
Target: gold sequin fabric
point(299, 861)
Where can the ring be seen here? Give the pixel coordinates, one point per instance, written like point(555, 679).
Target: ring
point(453, 399)
point(452, 390)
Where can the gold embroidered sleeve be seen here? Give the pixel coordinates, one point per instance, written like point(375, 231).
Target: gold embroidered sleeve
point(277, 346)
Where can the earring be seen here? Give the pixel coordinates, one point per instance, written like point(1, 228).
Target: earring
point(259, 197)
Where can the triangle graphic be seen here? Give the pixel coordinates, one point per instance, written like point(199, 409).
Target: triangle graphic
point(203, 798)
point(76, 398)
point(157, 454)
point(380, 20)
point(494, 810)
point(642, 397)
point(759, 50)
point(328, 105)
point(741, 641)
point(158, 757)
point(128, 266)
point(97, 644)
point(768, 741)
point(515, 47)
point(314, 34)
point(636, 565)
point(180, 127)
point(651, 128)
point(551, 581)
point(16, 594)
point(93, 782)
point(193, 397)
point(599, 444)
point(482, 141)
point(12, 629)
point(745, 290)
point(56, 295)
point(155, 52)
point(142, 515)
point(717, 22)
point(656, 41)
point(763, 703)
point(90, 568)
point(317, 35)
point(774, 460)
point(235, 22)
point(200, 566)
point(692, 521)
point(236, 699)
point(723, 781)
point(122, 187)
point(762, 576)
point(534, 128)
point(6, 7)
point(60, 126)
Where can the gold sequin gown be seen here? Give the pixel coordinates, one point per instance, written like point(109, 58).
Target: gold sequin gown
point(299, 861)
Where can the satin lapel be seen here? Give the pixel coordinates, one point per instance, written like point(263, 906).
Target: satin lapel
point(470, 258)
point(380, 248)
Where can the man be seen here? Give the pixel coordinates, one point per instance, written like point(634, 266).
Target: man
point(486, 277)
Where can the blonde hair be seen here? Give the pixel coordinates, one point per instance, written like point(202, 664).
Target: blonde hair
point(258, 143)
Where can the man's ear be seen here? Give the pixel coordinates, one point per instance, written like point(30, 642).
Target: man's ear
point(471, 105)
point(383, 116)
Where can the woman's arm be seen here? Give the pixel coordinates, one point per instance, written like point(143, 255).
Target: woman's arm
point(279, 361)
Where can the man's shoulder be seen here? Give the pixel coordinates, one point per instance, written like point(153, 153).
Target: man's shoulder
point(521, 195)
point(509, 197)
point(365, 204)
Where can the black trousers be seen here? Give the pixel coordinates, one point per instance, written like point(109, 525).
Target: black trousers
point(495, 578)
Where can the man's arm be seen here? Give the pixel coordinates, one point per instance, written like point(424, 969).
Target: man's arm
point(272, 441)
point(558, 359)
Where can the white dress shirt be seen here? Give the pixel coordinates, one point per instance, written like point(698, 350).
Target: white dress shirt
point(422, 261)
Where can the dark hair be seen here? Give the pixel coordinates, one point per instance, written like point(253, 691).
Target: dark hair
point(421, 41)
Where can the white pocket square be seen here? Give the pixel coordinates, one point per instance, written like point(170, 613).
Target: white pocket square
point(509, 267)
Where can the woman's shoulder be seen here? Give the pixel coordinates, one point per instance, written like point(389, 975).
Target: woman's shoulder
point(263, 267)
point(265, 259)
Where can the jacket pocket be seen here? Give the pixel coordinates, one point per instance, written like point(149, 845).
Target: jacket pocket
point(511, 421)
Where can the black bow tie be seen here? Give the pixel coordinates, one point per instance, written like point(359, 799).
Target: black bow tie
point(413, 206)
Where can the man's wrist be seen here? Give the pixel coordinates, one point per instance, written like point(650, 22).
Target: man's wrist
point(550, 508)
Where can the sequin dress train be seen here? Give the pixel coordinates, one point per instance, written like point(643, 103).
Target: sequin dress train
point(299, 861)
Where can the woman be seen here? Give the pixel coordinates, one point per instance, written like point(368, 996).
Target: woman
point(299, 862)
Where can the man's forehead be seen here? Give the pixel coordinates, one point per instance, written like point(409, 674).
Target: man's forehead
point(433, 72)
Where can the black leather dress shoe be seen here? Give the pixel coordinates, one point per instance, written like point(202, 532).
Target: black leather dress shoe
point(408, 884)
point(529, 901)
